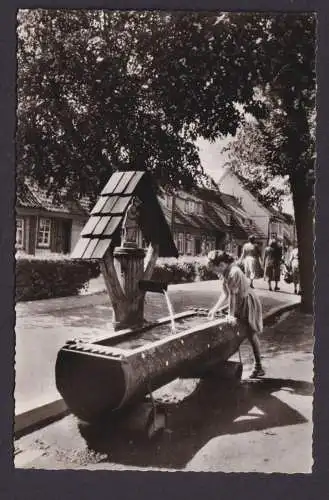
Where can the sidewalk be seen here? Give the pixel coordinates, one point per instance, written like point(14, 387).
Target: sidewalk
point(42, 327)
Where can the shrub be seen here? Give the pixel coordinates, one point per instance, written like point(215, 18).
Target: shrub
point(205, 274)
point(48, 278)
point(179, 272)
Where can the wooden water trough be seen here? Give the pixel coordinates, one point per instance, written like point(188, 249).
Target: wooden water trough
point(102, 377)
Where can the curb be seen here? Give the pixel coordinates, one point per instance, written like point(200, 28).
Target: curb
point(41, 416)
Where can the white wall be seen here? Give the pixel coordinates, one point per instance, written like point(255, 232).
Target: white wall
point(229, 184)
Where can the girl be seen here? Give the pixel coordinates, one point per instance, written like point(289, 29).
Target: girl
point(250, 259)
point(243, 303)
point(272, 264)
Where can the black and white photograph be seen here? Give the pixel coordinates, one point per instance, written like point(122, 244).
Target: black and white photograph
point(164, 255)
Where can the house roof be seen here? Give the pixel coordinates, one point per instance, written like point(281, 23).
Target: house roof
point(241, 225)
point(32, 196)
point(228, 171)
point(102, 230)
point(26, 199)
point(212, 218)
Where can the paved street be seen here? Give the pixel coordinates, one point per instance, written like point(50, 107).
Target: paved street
point(262, 426)
point(42, 327)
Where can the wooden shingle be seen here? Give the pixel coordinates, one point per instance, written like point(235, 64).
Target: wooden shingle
point(112, 183)
point(100, 249)
point(115, 205)
point(90, 248)
point(80, 248)
point(99, 205)
point(124, 182)
point(90, 226)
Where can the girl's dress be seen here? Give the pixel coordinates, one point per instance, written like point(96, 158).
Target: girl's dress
point(248, 308)
point(272, 264)
point(250, 260)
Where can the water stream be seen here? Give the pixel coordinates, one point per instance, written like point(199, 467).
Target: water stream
point(171, 312)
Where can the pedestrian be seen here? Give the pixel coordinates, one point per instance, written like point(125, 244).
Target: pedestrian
point(243, 303)
point(294, 266)
point(272, 264)
point(250, 259)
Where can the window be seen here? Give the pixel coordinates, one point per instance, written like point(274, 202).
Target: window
point(20, 233)
point(44, 232)
point(180, 246)
point(189, 206)
point(199, 208)
point(188, 244)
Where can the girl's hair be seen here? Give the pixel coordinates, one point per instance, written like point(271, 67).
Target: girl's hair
point(215, 257)
point(252, 238)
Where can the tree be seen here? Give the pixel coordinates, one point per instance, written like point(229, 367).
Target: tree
point(283, 138)
point(99, 91)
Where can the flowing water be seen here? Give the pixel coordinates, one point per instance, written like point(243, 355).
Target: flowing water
point(171, 312)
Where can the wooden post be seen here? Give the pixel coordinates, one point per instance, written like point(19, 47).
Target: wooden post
point(122, 271)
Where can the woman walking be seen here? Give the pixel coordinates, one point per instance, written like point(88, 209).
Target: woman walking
point(250, 259)
point(243, 303)
point(272, 264)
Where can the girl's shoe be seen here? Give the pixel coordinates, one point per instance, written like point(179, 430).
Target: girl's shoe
point(257, 372)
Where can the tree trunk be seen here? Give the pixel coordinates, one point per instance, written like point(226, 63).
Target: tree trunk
point(303, 206)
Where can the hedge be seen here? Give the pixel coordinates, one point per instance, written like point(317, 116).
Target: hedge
point(181, 272)
point(43, 277)
point(48, 278)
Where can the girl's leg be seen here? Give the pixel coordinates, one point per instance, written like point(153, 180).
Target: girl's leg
point(255, 344)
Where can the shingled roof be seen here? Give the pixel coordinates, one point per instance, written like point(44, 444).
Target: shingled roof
point(103, 228)
point(240, 228)
point(30, 195)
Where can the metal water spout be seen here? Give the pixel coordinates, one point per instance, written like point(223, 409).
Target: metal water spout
point(159, 287)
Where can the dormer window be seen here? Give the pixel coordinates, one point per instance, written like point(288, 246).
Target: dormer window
point(189, 206)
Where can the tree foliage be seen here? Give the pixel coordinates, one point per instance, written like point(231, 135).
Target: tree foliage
point(247, 160)
point(99, 91)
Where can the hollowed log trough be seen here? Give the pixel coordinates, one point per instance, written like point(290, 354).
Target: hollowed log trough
point(115, 372)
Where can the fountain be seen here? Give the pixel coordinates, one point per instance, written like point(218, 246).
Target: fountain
point(112, 375)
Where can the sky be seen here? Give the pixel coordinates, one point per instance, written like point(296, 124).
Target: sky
point(213, 160)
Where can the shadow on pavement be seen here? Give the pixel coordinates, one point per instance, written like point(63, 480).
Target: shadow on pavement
point(208, 413)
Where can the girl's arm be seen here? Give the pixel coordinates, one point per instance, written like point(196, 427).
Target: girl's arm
point(220, 302)
point(232, 306)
